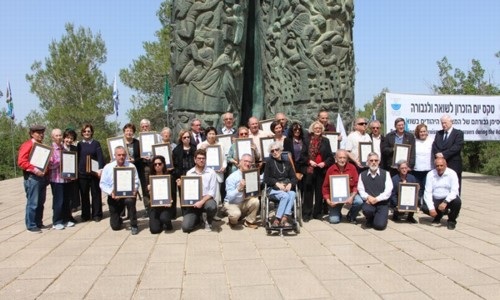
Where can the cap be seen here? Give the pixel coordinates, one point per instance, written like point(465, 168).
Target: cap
point(37, 127)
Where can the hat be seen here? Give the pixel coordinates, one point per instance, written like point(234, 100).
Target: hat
point(37, 127)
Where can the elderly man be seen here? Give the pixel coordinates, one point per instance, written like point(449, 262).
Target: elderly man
point(398, 136)
point(324, 119)
point(117, 205)
point(234, 203)
point(207, 204)
point(228, 127)
point(377, 137)
point(403, 176)
point(35, 181)
point(448, 143)
point(280, 117)
point(145, 125)
point(375, 187)
point(197, 135)
point(256, 133)
point(354, 138)
point(441, 193)
point(342, 167)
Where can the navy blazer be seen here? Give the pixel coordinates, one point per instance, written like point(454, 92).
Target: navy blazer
point(451, 148)
point(387, 148)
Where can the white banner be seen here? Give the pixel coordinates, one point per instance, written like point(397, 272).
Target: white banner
point(477, 116)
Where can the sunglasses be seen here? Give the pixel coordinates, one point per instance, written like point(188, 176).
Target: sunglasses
point(363, 123)
point(297, 129)
point(243, 134)
point(375, 127)
point(274, 150)
point(185, 137)
point(158, 164)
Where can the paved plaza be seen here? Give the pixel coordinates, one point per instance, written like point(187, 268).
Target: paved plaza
point(343, 261)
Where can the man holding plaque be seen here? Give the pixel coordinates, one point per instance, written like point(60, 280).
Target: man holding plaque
point(375, 187)
point(117, 204)
point(206, 204)
point(404, 177)
point(235, 203)
point(35, 181)
point(391, 140)
point(357, 136)
point(442, 193)
point(342, 167)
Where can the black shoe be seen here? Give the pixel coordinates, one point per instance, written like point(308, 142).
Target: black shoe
point(85, 219)
point(71, 219)
point(451, 225)
point(437, 220)
point(411, 219)
point(97, 219)
point(306, 219)
point(34, 230)
point(369, 224)
point(168, 226)
point(395, 216)
point(134, 230)
point(318, 217)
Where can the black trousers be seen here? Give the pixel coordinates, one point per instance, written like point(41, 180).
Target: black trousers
point(116, 207)
point(90, 184)
point(454, 209)
point(313, 193)
point(158, 217)
point(377, 214)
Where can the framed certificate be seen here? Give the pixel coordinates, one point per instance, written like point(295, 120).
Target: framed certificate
point(214, 157)
point(92, 165)
point(243, 146)
point(264, 145)
point(161, 191)
point(408, 196)
point(165, 151)
point(123, 182)
point(225, 140)
point(364, 148)
point(191, 190)
point(401, 152)
point(339, 188)
point(333, 137)
point(40, 156)
point(265, 125)
point(69, 165)
point(146, 142)
point(115, 142)
point(252, 183)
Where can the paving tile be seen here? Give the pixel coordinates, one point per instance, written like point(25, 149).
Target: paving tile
point(168, 253)
point(75, 280)
point(208, 262)
point(470, 257)
point(251, 272)
point(240, 250)
point(100, 255)
point(462, 274)
point(418, 250)
point(352, 255)
point(402, 263)
point(24, 289)
point(162, 276)
point(328, 268)
point(418, 295)
point(158, 294)
point(117, 287)
point(490, 291)
point(306, 247)
point(255, 292)
point(372, 244)
point(207, 286)
point(350, 289)
point(478, 246)
point(292, 282)
point(126, 264)
point(48, 267)
point(383, 279)
point(282, 258)
point(438, 286)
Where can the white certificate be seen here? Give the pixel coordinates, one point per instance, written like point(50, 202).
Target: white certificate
point(244, 146)
point(190, 189)
point(147, 139)
point(163, 150)
point(407, 196)
point(264, 145)
point(39, 157)
point(225, 140)
point(214, 157)
point(252, 186)
point(333, 137)
point(401, 152)
point(339, 187)
point(94, 165)
point(123, 180)
point(68, 164)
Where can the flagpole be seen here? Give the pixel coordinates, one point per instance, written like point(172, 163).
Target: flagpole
point(12, 142)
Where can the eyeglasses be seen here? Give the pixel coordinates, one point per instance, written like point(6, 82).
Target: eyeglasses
point(87, 131)
point(373, 160)
point(297, 129)
point(375, 127)
point(158, 164)
point(228, 119)
point(274, 150)
point(185, 137)
point(200, 158)
point(244, 133)
point(362, 123)
point(281, 120)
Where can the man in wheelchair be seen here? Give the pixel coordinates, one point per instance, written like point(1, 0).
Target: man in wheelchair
point(281, 181)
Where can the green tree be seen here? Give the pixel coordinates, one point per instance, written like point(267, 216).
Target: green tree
point(11, 136)
point(377, 104)
point(70, 85)
point(147, 75)
point(478, 156)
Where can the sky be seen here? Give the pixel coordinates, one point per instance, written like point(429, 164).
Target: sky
point(396, 43)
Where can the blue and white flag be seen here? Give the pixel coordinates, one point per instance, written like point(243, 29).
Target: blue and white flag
point(374, 116)
point(116, 100)
point(10, 104)
point(341, 130)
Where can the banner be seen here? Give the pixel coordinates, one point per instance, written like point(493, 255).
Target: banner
point(477, 116)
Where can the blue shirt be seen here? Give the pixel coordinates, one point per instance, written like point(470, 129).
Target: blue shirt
point(233, 196)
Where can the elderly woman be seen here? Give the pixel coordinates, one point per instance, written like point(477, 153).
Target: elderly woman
point(166, 135)
point(281, 181)
point(160, 217)
point(232, 159)
point(423, 156)
point(320, 158)
point(402, 177)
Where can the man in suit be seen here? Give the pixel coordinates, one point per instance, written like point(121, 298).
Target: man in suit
point(377, 137)
point(197, 135)
point(448, 144)
point(228, 127)
point(398, 136)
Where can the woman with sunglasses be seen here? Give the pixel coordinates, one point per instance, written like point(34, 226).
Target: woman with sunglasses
point(160, 216)
point(232, 159)
point(281, 183)
point(183, 155)
point(319, 159)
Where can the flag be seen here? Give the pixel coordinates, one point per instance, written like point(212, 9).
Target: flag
point(116, 100)
point(10, 104)
point(374, 116)
point(166, 94)
point(341, 130)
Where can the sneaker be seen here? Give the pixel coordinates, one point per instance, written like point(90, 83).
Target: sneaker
point(34, 230)
point(134, 230)
point(451, 225)
point(58, 227)
point(208, 227)
point(70, 224)
point(250, 225)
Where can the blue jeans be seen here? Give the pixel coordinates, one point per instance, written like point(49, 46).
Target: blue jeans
point(335, 215)
point(36, 189)
point(57, 202)
point(286, 199)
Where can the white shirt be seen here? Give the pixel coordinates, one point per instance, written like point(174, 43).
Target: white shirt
point(423, 154)
point(106, 183)
point(376, 144)
point(440, 187)
point(208, 180)
point(353, 140)
point(386, 194)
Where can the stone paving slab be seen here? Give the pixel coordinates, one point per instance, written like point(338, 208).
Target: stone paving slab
point(343, 261)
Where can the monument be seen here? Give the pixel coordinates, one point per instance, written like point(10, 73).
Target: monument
point(260, 57)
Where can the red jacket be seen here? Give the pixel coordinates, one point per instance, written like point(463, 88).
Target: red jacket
point(349, 169)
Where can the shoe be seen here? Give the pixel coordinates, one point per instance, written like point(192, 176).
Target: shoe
point(134, 230)
point(411, 219)
point(395, 216)
point(351, 220)
point(58, 227)
point(318, 217)
point(233, 226)
point(71, 219)
point(208, 226)
point(369, 224)
point(97, 219)
point(306, 219)
point(85, 219)
point(250, 225)
point(437, 220)
point(451, 225)
point(168, 226)
point(41, 226)
point(70, 224)
point(217, 218)
point(284, 222)
point(276, 223)
point(34, 230)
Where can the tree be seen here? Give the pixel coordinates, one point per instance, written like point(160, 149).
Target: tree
point(378, 105)
point(478, 156)
point(70, 85)
point(147, 75)
point(11, 136)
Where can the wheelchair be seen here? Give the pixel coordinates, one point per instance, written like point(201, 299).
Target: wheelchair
point(269, 204)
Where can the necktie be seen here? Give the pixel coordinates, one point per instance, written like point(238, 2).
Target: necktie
point(197, 138)
point(445, 136)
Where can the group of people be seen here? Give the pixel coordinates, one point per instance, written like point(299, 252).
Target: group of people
point(373, 182)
